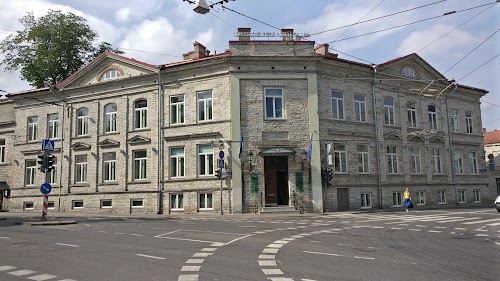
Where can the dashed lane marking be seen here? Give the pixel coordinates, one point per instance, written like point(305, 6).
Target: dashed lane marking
point(151, 257)
point(4, 237)
point(190, 268)
point(21, 272)
point(435, 231)
point(482, 221)
point(67, 245)
point(415, 229)
point(455, 220)
point(460, 228)
point(42, 277)
point(6, 267)
point(272, 271)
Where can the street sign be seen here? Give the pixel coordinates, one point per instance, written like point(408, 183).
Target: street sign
point(45, 188)
point(220, 163)
point(221, 154)
point(48, 145)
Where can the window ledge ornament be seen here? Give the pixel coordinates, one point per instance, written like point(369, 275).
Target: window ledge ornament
point(80, 146)
point(138, 140)
point(108, 142)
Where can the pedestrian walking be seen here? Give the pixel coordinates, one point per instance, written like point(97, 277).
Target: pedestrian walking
point(407, 198)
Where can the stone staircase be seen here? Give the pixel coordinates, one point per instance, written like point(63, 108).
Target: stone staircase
point(279, 210)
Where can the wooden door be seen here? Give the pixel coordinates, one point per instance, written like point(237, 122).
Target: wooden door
point(271, 188)
point(343, 199)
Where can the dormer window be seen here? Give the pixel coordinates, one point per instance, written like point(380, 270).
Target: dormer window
point(409, 72)
point(112, 73)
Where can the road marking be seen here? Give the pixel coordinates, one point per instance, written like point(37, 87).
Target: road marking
point(254, 226)
point(272, 271)
point(5, 237)
point(482, 235)
point(281, 242)
point(413, 229)
point(195, 261)
point(190, 268)
point(435, 231)
point(202, 255)
point(136, 234)
point(480, 229)
point(365, 258)
point(475, 222)
point(440, 227)
point(152, 257)
point(461, 219)
point(21, 272)
point(69, 245)
point(378, 227)
point(275, 246)
point(120, 233)
point(234, 240)
point(418, 225)
point(208, 249)
point(159, 236)
point(42, 277)
point(395, 228)
point(6, 267)
point(270, 251)
point(267, 263)
point(325, 254)
point(102, 231)
point(460, 228)
point(494, 224)
point(188, 277)
point(217, 244)
point(268, 257)
point(497, 243)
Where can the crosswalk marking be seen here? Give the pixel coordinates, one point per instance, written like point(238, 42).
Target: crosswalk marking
point(42, 277)
point(461, 219)
point(482, 221)
point(21, 272)
point(6, 267)
point(494, 224)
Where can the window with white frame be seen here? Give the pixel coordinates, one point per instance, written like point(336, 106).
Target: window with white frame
point(457, 162)
point(415, 160)
point(50, 205)
point(473, 163)
point(436, 161)
point(137, 203)
point(81, 169)
point(412, 114)
point(397, 199)
point(340, 158)
point(140, 167)
point(366, 200)
point(409, 72)
point(205, 106)
point(363, 159)
point(28, 206)
point(82, 121)
point(337, 105)
point(77, 204)
point(441, 197)
point(177, 162)
point(2, 151)
point(52, 176)
point(32, 128)
point(177, 109)
point(360, 108)
point(432, 117)
point(461, 196)
point(468, 122)
point(389, 111)
point(392, 159)
point(109, 166)
point(454, 120)
point(420, 197)
point(477, 196)
point(273, 103)
point(52, 125)
point(106, 204)
point(112, 73)
point(29, 178)
point(176, 202)
point(206, 160)
point(205, 201)
point(140, 114)
point(110, 117)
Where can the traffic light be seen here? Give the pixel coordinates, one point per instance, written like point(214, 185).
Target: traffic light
point(218, 173)
point(50, 162)
point(42, 162)
point(329, 174)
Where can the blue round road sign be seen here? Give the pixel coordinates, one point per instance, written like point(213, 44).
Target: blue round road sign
point(221, 154)
point(45, 188)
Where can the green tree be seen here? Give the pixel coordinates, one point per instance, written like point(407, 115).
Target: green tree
point(50, 48)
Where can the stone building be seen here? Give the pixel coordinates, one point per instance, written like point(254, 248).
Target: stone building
point(131, 137)
point(492, 156)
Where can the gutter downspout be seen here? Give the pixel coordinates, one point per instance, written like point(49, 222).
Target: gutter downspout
point(377, 149)
point(62, 156)
point(160, 142)
point(451, 145)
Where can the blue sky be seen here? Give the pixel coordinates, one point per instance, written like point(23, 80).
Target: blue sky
point(165, 29)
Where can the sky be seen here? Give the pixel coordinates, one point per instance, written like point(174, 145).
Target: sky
point(160, 31)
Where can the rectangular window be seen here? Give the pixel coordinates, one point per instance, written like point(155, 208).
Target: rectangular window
point(50, 205)
point(141, 114)
point(2, 151)
point(454, 120)
point(366, 201)
point(397, 199)
point(468, 122)
point(77, 204)
point(389, 111)
point(109, 166)
point(436, 161)
point(415, 160)
point(412, 115)
point(82, 125)
point(177, 110)
point(52, 177)
point(441, 197)
point(360, 108)
point(338, 105)
point(206, 160)
point(363, 159)
point(140, 167)
point(461, 196)
point(177, 162)
point(392, 160)
point(477, 196)
point(106, 204)
point(176, 202)
point(81, 169)
point(110, 118)
point(432, 118)
point(29, 178)
point(340, 158)
point(206, 201)
point(473, 163)
point(457, 162)
point(205, 106)
point(137, 203)
point(273, 103)
point(32, 128)
point(52, 125)
point(28, 206)
point(420, 197)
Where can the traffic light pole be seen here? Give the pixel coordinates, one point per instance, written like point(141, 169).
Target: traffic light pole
point(46, 196)
point(220, 173)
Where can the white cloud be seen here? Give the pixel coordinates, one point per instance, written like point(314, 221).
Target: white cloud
point(123, 14)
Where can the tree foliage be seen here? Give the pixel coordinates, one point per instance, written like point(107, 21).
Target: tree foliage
point(51, 47)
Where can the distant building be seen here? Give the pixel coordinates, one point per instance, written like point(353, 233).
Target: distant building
point(492, 155)
point(296, 123)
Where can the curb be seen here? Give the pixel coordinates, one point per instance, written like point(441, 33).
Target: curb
point(41, 223)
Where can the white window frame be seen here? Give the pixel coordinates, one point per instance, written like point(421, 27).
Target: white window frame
point(389, 118)
point(420, 198)
point(432, 117)
point(140, 114)
point(363, 159)
point(2, 151)
point(110, 117)
point(103, 206)
point(82, 121)
point(51, 205)
point(110, 74)
point(468, 122)
point(177, 106)
point(52, 125)
point(177, 162)
point(338, 105)
point(477, 195)
point(32, 128)
point(81, 170)
point(392, 160)
point(30, 172)
point(409, 72)
point(436, 161)
point(74, 203)
point(458, 167)
point(473, 168)
point(442, 197)
point(274, 96)
point(360, 107)
point(415, 160)
point(454, 120)
point(207, 199)
point(137, 200)
point(340, 165)
point(412, 114)
point(109, 167)
point(205, 106)
point(140, 165)
point(26, 208)
point(205, 160)
point(175, 203)
point(366, 200)
point(462, 196)
point(397, 199)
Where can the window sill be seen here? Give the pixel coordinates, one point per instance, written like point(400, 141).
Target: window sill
point(82, 137)
point(137, 207)
point(177, 210)
point(139, 130)
point(79, 185)
point(110, 133)
point(109, 183)
point(366, 208)
point(139, 182)
point(443, 203)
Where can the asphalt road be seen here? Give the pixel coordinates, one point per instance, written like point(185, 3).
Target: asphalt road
point(420, 245)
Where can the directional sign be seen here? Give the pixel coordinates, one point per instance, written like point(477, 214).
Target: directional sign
point(48, 145)
point(45, 188)
point(220, 163)
point(221, 154)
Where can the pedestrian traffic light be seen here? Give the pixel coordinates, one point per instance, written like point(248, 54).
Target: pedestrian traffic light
point(329, 174)
point(218, 173)
point(42, 162)
point(50, 162)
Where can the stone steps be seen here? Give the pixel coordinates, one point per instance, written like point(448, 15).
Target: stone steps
point(279, 210)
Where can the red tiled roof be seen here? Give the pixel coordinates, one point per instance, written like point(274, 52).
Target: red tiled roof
point(491, 137)
point(222, 55)
point(28, 91)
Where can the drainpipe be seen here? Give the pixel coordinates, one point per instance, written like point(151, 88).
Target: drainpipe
point(160, 142)
point(62, 156)
point(377, 149)
point(451, 145)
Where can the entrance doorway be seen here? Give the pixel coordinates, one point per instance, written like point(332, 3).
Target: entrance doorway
point(276, 180)
point(343, 199)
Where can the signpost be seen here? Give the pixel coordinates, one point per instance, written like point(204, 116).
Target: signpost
point(46, 167)
point(45, 190)
point(220, 165)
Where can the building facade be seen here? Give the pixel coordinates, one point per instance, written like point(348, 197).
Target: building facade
point(296, 125)
point(492, 153)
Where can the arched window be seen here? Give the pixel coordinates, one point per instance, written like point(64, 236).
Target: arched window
point(389, 111)
point(112, 73)
point(140, 114)
point(409, 72)
point(412, 114)
point(110, 118)
point(432, 117)
point(82, 121)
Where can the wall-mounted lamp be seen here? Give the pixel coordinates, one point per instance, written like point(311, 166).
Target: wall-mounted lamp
point(250, 158)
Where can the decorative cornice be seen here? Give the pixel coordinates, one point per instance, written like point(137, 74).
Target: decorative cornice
point(80, 146)
point(138, 140)
point(194, 136)
point(108, 142)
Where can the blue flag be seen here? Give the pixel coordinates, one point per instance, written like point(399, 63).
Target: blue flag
point(240, 149)
point(309, 151)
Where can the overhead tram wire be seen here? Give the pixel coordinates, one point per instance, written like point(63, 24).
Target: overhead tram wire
point(250, 17)
point(360, 19)
point(479, 67)
point(223, 20)
point(493, 105)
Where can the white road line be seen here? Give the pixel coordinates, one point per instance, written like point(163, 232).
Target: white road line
point(454, 220)
point(272, 271)
point(152, 257)
point(277, 246)
point(120, 233)
point(482, 235)
point(188, 277)
point(216, 232)
point(42, 277)
point(191, 240)
point(365, 258)
point(494, 224)
point(234, 240)
point(253, 226)
point(208, 249)
point(435, 231)
point(195, 260)
point(419, 225)
point(326, 254)
point(460, 228)
point(413, 229)
point(267, 257)
point(270, 251)
point(217, 244)
point(378, 227)
point(441, 227)
point(190, 268)
point(202, 255)
point(21, 272)
point(6, 267)
point(395, 228)
point(476, 222)
point(136, 234)
point(497, 243)
point(4, 237)
point(69, 245)
point(267, 263)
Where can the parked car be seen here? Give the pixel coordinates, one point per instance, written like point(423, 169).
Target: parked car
point(497, 203)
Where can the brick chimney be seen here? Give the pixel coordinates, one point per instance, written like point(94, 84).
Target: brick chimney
point(322, 49)
point(244, 34)
point(199, 52)
point(287, 34)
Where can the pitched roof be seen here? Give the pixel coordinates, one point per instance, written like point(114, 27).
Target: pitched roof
point(491, 137)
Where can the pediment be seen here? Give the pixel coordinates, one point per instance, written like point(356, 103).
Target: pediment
point(108, 142)
point(424, 70)
point(415, 137)
point(392, 135)
point(138, 140)
point(80, 146)
point(437, 139)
